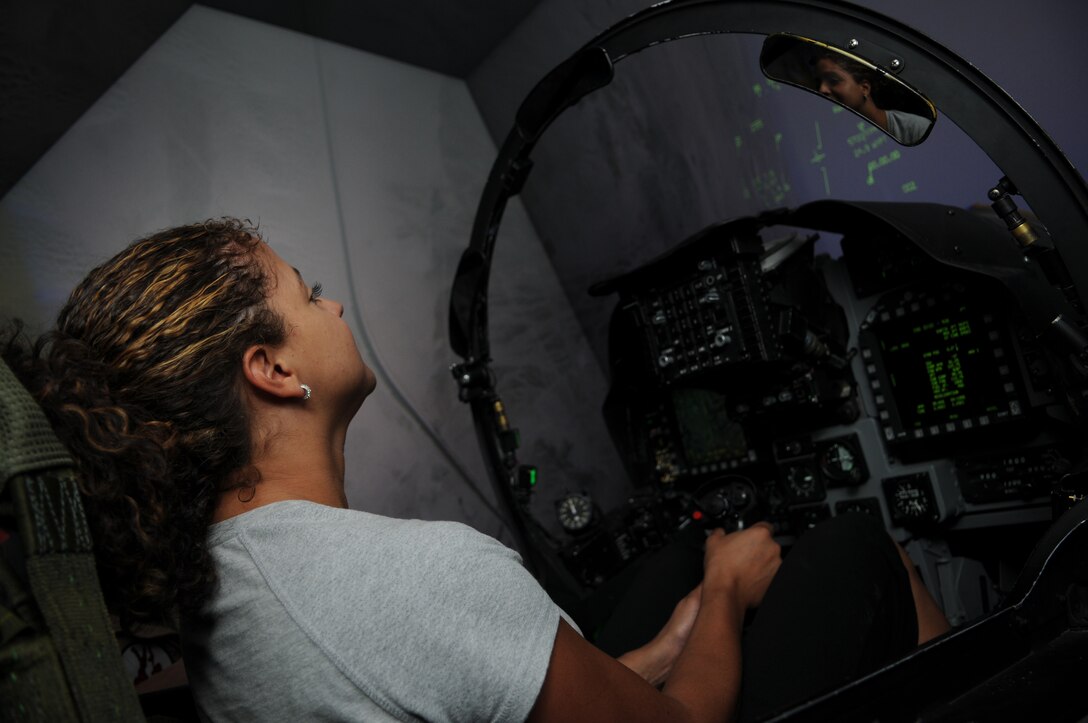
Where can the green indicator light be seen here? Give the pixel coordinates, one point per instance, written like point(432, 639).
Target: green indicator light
point(532, 477)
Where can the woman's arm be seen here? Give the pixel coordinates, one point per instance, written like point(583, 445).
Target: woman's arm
point(654, 660)
point(584, 683)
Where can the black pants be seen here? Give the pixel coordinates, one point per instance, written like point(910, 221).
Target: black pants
point(839, 607)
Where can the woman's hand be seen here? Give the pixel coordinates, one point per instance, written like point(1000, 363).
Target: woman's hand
point(743, 563)
point(704, 681)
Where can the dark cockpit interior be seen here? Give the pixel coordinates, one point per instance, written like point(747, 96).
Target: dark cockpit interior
point(921, 363)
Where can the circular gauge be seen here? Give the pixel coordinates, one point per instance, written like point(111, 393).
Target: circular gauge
point(575, 512)
point(911, 499)
point(910, 503)
point(840, 462)
point(803, 484)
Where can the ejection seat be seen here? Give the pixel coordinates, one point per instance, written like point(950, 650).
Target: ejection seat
point(59, 657)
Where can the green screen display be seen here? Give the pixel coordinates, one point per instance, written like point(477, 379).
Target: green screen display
point(944, 365)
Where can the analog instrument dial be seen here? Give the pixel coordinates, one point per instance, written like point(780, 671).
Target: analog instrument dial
point(575, 512)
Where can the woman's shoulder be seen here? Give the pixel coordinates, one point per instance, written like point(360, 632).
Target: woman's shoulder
point(312, 526)
point(421, 615)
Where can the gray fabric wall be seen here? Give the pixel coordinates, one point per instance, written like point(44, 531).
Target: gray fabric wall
point(690, 132)
point(364, 173)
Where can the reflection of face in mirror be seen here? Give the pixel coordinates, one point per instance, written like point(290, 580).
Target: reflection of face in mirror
point(852, 90)
point(856, 87)
point(875, 95)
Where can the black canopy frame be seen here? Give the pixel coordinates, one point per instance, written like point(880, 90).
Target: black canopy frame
point(1005, 132)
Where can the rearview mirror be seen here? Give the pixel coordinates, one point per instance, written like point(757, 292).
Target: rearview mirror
point(851, 81)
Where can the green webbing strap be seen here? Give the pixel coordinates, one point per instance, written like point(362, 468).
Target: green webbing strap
point(33, 686)
point(36, 475)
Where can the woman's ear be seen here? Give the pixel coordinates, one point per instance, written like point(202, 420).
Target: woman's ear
point(268, 371)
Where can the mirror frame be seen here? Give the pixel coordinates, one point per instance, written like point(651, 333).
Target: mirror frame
point(812, 85)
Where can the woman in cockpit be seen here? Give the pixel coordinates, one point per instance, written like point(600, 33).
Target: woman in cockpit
point(857, 87)
point(205, 391)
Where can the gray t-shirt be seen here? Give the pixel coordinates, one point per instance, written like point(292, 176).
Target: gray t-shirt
point(327, 614)
point(907, 127)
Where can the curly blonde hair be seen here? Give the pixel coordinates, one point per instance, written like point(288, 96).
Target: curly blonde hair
point(141, 380)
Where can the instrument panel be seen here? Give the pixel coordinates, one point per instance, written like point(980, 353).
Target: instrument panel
point(753, 379)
